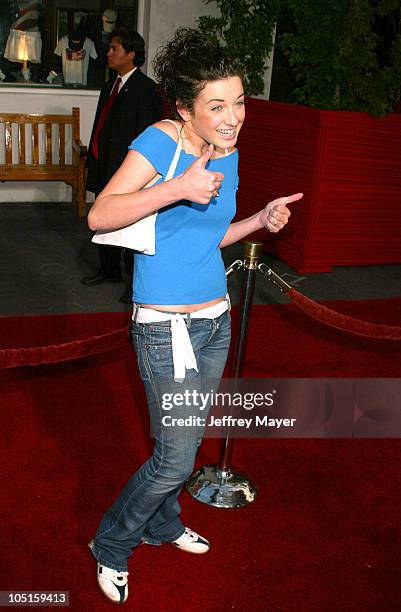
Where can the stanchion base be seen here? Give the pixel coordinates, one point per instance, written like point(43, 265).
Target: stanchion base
point(210, 485)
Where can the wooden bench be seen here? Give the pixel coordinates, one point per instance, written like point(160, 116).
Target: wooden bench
point(44, 148)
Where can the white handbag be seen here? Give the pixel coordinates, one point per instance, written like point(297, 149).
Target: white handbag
point(139, 236)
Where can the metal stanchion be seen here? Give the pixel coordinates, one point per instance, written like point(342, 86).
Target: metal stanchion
point(217, 484)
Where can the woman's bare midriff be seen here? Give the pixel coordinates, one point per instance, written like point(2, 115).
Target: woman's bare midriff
point(183, 307)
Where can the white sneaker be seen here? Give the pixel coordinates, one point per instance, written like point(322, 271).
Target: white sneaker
point(113, 584)
point(190, 541)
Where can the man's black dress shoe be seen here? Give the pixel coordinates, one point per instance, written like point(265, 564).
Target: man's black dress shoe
point(98, 279)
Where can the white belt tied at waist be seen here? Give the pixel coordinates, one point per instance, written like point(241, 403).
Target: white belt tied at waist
point(183, 353)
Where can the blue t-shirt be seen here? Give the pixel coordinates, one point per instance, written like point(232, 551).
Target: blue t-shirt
point(187, 267)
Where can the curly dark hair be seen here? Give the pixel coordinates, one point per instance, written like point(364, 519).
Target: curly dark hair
point(131, 41)
point(187, 62)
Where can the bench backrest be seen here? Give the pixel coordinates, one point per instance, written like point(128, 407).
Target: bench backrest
point(38, 140)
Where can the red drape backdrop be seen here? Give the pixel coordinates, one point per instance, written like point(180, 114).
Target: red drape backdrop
point(347, 164)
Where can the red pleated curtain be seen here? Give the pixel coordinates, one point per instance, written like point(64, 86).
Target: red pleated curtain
point(347, 164)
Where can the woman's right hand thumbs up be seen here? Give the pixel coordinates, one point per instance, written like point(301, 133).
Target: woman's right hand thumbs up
point(198, 184)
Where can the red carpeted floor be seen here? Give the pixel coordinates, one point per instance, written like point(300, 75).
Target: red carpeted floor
point(323, 534)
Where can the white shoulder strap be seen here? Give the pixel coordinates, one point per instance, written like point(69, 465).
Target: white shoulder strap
point(175, 125)
point(174, 161)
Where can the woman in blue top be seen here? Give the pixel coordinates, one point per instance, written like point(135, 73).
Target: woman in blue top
point(181, 327)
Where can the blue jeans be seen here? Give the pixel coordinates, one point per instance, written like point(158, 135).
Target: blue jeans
point(147, 508)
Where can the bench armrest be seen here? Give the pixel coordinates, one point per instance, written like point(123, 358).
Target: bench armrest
point(81, 149)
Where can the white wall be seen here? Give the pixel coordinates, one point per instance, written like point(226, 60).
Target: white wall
point(47, 101)
point(166, 16)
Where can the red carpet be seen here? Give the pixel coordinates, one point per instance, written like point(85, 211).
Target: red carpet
point(323, 534)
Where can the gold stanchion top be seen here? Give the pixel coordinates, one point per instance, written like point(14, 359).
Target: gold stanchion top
point(253, 250)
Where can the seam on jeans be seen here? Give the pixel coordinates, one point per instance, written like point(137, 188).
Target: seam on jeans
point(215, 325)
point(213, 330)
point(145, 360)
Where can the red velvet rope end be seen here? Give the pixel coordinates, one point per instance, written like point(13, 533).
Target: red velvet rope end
point(341, 321)
point(55, 353)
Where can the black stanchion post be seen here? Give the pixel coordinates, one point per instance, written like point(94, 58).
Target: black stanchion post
point(252, 254)
point(217, 485)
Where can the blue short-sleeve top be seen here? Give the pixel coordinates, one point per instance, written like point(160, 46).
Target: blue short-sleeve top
point(187, 267)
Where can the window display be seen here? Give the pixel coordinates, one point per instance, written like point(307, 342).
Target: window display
point(75, 52)
point(24, 43)
point(48, 42)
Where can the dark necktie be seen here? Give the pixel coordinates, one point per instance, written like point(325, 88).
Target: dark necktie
point(103, 116)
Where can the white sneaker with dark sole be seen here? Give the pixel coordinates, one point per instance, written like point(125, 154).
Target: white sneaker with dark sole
point(113, 584)
point(192, 542)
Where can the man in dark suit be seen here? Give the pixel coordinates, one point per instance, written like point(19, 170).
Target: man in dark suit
point(127, 105)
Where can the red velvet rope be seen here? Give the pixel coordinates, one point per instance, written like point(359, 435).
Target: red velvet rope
point(67, 351)
point(342, 321)
point(54, 353)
